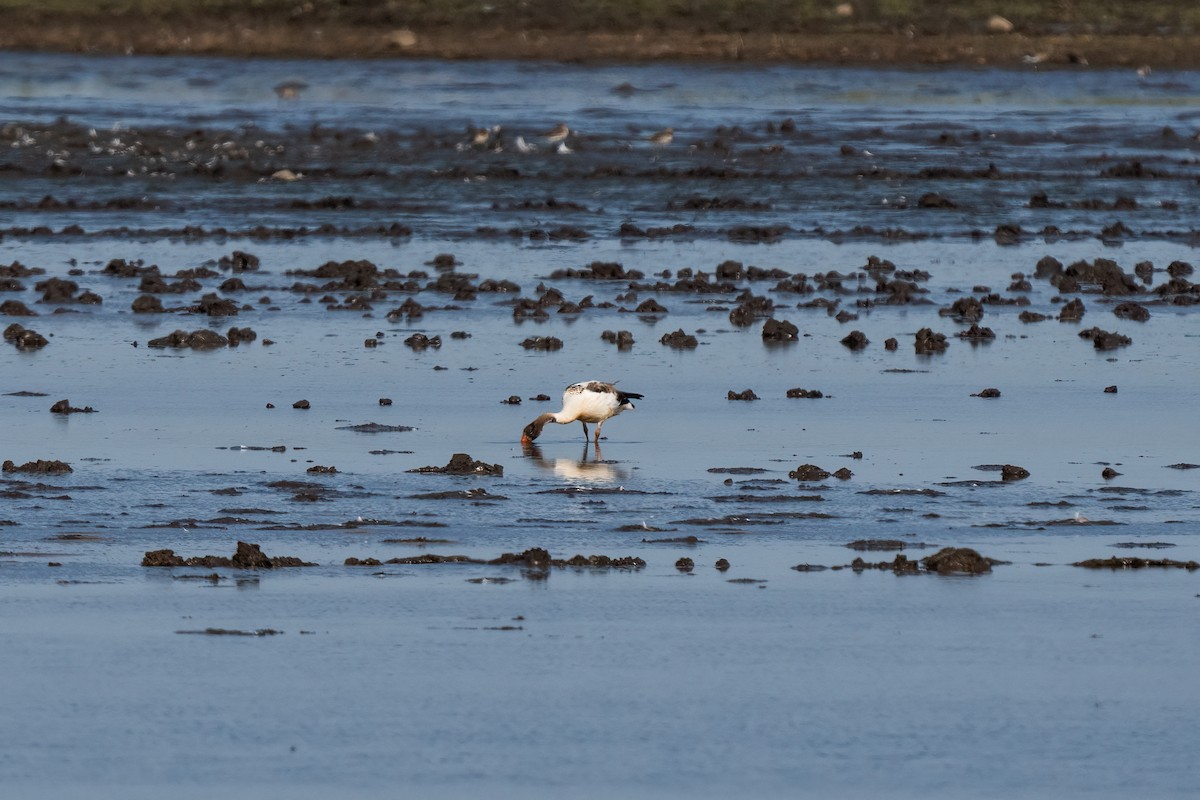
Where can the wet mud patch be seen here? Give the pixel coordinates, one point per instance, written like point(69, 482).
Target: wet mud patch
point(1147, 545)
point(377, 427)
point(260, 632)
point(247, 556)
point(355, 524)
point(1125, 562)
point(885, 544)
point(462, 464)
point(947, 561)
point(478, 494)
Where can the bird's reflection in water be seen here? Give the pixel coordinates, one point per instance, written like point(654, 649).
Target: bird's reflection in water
point(585, 469)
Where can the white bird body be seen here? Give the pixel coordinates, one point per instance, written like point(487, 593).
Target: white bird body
point(584, 402)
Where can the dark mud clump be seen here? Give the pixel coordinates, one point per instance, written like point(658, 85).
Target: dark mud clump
point(856, 340)
point(622, 339)
point(247, 556)
point(1118, 562)
point(543, 343)
point(1011, 472)
point(775, 330)
point(722, 564)
point(203, 339)
point(538, 559)
point(23, 338)
point(685, 564)
point(1147, 545)
point(747, 394)
point(419, 341)
point(39, 467)
point(808, 472)
point(929, 342)
point(806, 394)
point(679, 340)
point(463, 464)
point(317, 469)
point(512, 400)
point(843, 474)
point(952, 560)
point(65, 407)
point(15, 308)
point(1136, 312)
point(1105, 340)
point(990, 392)
point(977, 334)
point(1071, 311)
point(1108, 473)
point(810, 568)
point(1110, 389)
point(302, 405)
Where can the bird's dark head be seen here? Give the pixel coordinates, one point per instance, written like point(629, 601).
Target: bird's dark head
point(534, 429)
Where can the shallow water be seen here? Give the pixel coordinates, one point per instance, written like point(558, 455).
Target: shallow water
point(1038, 678)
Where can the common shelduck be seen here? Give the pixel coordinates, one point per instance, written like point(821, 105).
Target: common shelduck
point(587, 401)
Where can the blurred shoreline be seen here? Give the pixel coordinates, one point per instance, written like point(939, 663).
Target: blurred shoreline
point(258, 37)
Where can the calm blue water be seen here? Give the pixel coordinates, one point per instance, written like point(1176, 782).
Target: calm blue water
point(1039, 679)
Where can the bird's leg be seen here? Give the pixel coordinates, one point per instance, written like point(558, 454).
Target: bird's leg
point(585, 431)
point(599, 425)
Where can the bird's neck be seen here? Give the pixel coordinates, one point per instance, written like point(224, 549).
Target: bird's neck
point(562, 417)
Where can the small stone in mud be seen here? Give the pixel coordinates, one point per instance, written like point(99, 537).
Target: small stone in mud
point(459, 335)
point(685, 564)
point(317, 469)
point(270, 405)
point(463, 464)
point(722, 564)
point(512, 400)
point(856, 340)
point(39, 467)
point(808, 472)
point(990, 392)
point(543, 343)
point(65, 407)
point(808, 394)
point(748, 394)
point(957, 559)
point(1110, 389)
point(370, 343)
point(679, 340)
point(302, 404)
point(843, 474)
point(1108, 473)
point(362, 562)
point(1009, 472)
point(385, 401)
point(540, 398)
point(891, 343)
